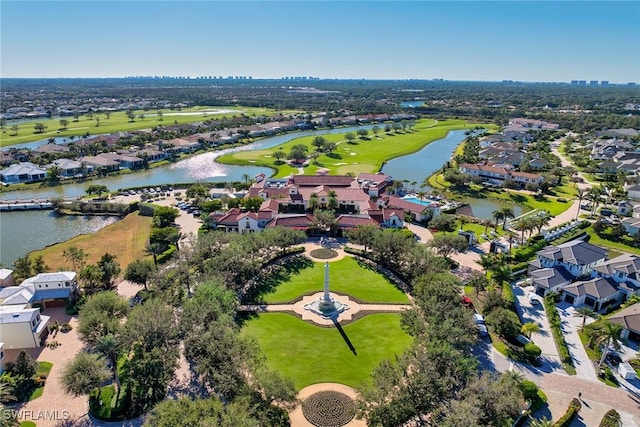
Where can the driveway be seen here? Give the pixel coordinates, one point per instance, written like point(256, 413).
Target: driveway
point(570, 326)
point(55, 402)
point(537, 315)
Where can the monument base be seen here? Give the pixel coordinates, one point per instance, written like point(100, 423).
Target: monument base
point(326, 309)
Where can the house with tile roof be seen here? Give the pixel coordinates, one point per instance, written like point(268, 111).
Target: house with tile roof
point(498, 175)
point(629, 319)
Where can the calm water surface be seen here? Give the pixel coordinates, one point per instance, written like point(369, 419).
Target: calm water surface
point(24, 231)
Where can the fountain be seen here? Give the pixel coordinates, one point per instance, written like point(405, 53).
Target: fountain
point(326, 306)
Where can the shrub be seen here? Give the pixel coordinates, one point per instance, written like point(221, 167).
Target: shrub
point(610, 419)
point(529, 389)
point(164, 256)
point(556, 328)
point(65, 327)
point(574, 408)
point(532, 351)
point(509, 297)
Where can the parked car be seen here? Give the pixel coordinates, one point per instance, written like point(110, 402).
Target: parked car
point(613, 358)
point(534, 299)
point(478, 318)
point(482, 330)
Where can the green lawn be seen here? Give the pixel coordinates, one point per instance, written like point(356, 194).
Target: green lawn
point(346, 277)
point(118, 121)
point(547, 203)
point(624, 244)
point(361, 156)
point(43, 368)
point(311, 354)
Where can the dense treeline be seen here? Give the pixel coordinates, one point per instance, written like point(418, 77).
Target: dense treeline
point(483, 100)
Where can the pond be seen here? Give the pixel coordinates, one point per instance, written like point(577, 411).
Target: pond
point(25, 231)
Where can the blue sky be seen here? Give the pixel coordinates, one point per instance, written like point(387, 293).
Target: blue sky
point(454, 40)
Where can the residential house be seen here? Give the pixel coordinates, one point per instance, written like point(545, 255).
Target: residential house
point(417, 211)
point(70, 168)
point(633, 192)
point(6, 278)
point(576, 256)
point(22, 172)
point(22, 327)
point(629, 319)
point(125, 161)
point(100, 163)
point(597, 293)
point(497, 175)
point(625, 208)
point(631, 225)
point(546, 280)
point(53, 289)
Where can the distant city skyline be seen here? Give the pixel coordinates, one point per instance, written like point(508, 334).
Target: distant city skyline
point(472, 41)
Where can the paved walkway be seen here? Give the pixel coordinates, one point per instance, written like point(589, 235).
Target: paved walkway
point(297, 417)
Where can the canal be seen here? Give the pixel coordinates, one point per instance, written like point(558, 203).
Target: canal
point(21, 232)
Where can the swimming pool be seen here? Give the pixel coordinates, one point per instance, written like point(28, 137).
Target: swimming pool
point(424, 202)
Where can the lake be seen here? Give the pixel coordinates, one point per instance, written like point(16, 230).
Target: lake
point(24, 231)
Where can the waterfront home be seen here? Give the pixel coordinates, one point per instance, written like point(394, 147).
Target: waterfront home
point(45, 289)
point(125, 161)
point(70, 168)
point(22, 172)
point(22, 327)
point(418, 212)
point(498, 175)
point(100, 163)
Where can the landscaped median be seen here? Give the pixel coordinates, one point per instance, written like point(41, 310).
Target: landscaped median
point(556, 330)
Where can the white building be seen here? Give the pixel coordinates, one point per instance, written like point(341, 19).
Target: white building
point(22, 327)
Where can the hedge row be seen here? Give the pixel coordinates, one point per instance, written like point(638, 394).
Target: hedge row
point(556, 330)
point(509, 297)
point(572, 411)
point(610, 419)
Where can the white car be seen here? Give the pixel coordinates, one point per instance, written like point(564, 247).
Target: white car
point(534, 299)
point(478, 318)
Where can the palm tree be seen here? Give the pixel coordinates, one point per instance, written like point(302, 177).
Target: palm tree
point(580, 197)
point(487, 261)
point(245, 178)
point(502, 274)
point(584, 312)
point(511, 237)
point(507, 213)
point(487, 223)
point(175, 239)
point(154, 249)
point(421, 195)
point(463, 221)
point(542, 422)
point(109, 347)
point(608, 335)
point(332, 201)
point(529, 328)
point(314, 202)
point(498, 216)
point(91, 275)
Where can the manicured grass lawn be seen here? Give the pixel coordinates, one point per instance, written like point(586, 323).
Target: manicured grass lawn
point(43, 368)
point(118, 121)
point(547, 203)
point(614, 247)
point(362, 156)
point(311, 354)
point(345, 276)
point(27, 424)
point(126, 239)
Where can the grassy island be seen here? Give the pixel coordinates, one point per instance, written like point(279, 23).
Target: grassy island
point(362, 154)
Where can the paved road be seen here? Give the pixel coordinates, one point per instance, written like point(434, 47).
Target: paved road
point(585, 184)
